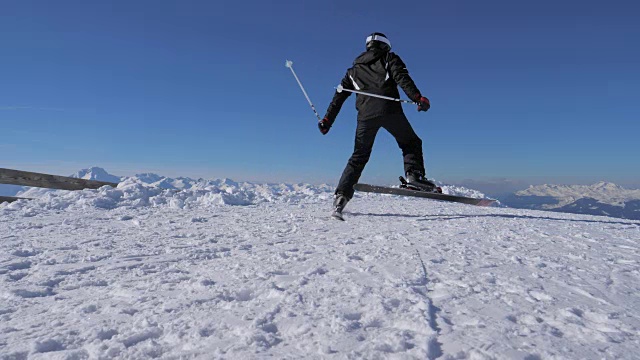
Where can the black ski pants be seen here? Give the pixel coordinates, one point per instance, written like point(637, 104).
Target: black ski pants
point(398, 126)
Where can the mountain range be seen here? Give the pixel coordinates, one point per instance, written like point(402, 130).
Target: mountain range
point(602, 198)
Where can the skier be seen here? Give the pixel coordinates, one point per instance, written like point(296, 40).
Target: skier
point(378, 71)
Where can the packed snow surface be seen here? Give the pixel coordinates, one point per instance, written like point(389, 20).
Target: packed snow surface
point(219, 269)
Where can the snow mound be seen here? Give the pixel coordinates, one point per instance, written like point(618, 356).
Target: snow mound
point(135, 193)
point(152, 190)
point(461, 191)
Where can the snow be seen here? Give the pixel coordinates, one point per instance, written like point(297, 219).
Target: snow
point(143, 187)
point(96, 173)
point(219, 269)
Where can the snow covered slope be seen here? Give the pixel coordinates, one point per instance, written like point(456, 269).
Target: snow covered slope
point(602, 198)
point(146, 272)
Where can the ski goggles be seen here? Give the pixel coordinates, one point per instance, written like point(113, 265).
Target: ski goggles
point(378, 38)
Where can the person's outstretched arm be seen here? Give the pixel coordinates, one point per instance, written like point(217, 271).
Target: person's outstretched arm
point(401, 76)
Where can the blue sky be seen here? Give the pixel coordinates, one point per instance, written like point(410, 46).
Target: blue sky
point(536, 91)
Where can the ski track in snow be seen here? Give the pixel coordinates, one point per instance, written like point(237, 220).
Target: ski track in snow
point(401, 278)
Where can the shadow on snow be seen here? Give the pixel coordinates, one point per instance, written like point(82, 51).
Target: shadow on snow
point(466, 216)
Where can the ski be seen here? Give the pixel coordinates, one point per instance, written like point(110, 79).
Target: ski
point(422, 194)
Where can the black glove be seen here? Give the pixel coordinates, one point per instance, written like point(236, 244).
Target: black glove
point(423, 103)
point(324, 125)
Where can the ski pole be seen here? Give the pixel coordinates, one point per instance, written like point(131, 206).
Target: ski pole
point(289, 64)
point(341, 89)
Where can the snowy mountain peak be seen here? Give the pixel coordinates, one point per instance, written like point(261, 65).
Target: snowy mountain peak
point(149, 177)
point(603, 191)
point(602, 198)
point(96, 173)
point(607, 186)
point(227, 182)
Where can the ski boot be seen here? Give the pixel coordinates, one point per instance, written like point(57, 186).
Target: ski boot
point(417, 181)
point(338, 205)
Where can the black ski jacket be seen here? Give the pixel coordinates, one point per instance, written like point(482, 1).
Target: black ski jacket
point(377, 72)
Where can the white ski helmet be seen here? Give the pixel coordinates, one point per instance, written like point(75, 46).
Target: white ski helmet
point(379, 41)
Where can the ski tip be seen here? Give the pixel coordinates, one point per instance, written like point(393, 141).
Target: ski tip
point(486, 202)
point(288, 63)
